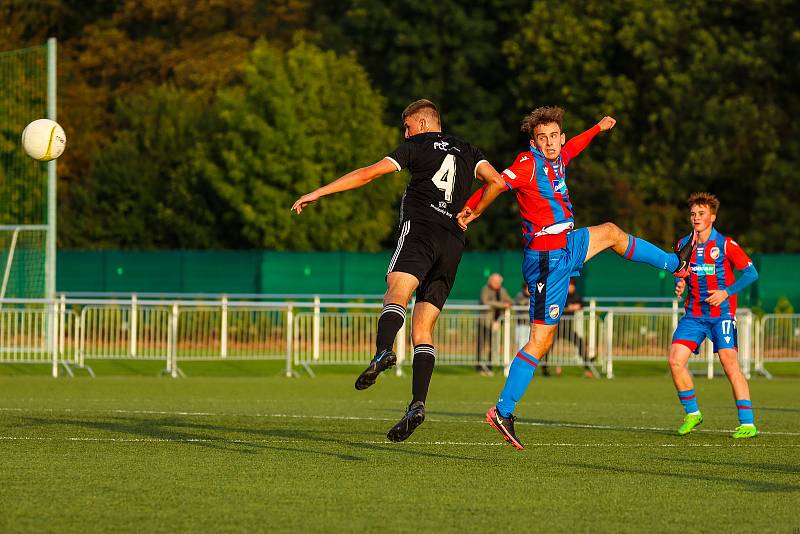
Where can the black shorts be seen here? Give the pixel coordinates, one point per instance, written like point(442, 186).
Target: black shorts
point(432, 254)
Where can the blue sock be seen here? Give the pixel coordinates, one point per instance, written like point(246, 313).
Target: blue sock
point(745, 409)
point(689, 401)
point(519, 376)
point(643, 251)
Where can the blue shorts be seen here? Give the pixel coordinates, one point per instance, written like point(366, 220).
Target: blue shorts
point(547, 273)
point(692, 331)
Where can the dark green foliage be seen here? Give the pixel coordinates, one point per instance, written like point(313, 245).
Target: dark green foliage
point(143, 190)
point(705, 94)
point(300, 120)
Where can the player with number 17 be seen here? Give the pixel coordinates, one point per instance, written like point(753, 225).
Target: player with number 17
point(711, 289)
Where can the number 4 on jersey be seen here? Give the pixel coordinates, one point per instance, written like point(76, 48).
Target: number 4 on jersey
point(445, 177)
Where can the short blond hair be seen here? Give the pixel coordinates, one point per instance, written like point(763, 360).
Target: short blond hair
point(422, 106)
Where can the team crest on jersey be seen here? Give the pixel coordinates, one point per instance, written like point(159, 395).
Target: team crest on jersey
point(554, 311)
point(714, 253)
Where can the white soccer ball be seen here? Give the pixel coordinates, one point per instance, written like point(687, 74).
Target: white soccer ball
point(43, 139)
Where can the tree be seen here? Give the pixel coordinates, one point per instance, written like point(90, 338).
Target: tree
point(142, 191)
point(300, 119)
point(110, 51)
point(449, 52)
point(700, 93)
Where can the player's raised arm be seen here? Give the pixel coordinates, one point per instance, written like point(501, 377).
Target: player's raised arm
point(482, 198)
point(575, 146)
point(351, 180)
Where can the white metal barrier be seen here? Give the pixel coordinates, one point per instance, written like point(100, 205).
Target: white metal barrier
point(778, 340)
point(69, 332)
point(571, 343)
point(641, 334)
point(43, 333)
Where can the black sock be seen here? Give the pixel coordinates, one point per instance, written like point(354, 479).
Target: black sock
point(391, 321)
point(424, 360)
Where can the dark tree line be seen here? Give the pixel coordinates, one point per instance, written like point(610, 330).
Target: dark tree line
point(195, 124)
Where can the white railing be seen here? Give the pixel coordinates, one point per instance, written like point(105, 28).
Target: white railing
point(778, 340)
point(43, 333)
point(70, 332)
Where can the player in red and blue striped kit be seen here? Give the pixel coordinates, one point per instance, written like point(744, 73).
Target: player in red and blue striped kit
point(711, 313)
point(553, 251)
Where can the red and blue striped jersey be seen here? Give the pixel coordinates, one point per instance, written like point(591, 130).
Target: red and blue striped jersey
point(712, 268)
point(542, 193)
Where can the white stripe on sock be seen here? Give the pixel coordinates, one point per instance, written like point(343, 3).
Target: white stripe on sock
point(394, 308)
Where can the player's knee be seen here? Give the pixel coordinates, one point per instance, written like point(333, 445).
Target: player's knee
point(676, 360)
point(729, 361)
point(421, 337)
point(614, 232)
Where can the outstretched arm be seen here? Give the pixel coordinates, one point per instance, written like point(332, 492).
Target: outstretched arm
point(575, 146)
point(351, 180)
point(485, 195)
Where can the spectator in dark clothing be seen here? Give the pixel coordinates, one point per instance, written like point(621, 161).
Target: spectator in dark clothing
point(567, 332)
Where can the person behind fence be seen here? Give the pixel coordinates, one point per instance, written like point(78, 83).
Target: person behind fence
point(554, 251)
point(495, 296)
point(711, 313)
point(570, 332)
point(522, 330)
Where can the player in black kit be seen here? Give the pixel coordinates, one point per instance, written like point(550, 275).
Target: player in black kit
point(430, 244)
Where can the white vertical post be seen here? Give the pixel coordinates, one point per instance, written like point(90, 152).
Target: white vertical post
point(134, 323)
point(758, 357)
point(54, 335)
point(402, 335)
point(609, 344)
point(50, 254)
point(289, 339)
point(223, 329)
point(745, 341)
point(675, 309)
point(592, 328)
point(62, 316)
point(82, 338)
point(507, 318)
point(315, 331)
point(172, 353)
point(710, 359)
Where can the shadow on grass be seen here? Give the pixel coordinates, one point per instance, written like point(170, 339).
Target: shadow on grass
point(787, 469)
point(563, 424)
point(206, 435)
point(746, 485)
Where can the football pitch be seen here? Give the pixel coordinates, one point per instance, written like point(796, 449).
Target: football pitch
point(267, 453)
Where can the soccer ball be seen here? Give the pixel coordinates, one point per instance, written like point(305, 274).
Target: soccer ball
point(43, 139)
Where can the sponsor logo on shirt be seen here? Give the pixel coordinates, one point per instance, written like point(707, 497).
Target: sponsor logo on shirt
point(559, 186)
point(442, 209)
point(444, 145)
point(703, 269)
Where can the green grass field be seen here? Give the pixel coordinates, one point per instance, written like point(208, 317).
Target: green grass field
point(267, 453)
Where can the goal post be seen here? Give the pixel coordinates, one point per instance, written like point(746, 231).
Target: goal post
point(27, 187)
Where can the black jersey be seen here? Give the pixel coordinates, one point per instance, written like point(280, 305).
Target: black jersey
point(442, 168)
